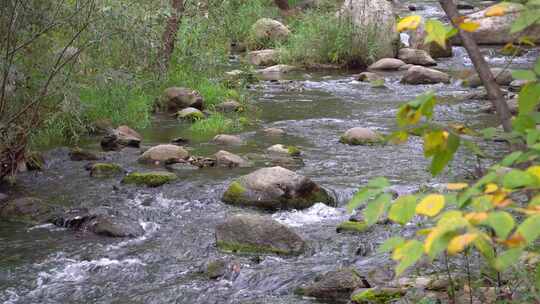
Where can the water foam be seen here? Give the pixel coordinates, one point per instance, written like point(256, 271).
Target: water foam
point(315, 214)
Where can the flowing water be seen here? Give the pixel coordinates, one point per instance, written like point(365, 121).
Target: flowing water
point(46, 264)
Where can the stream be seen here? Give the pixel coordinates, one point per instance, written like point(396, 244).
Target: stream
point(47, 264)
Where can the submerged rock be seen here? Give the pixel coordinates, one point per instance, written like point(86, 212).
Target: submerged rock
point(352, 227)
point(178, 98)
point(276, 188)
point(78, 154)
point(28, 210)
point(121, 137)
point(269, 30)
point(150, 179)
point(368, 77)
point(360, 136)
point(502, 77)
point(230, 160)
point(229, 106)
point(230, 140)
point(259, 235)
point(102, 170)
point(422, 75)
point(190, 114)
point(416, 57)
point(280, 68)
point(3, 197)
point(274, 132)
point(216, 269)
point(113, 226)
point(288, 150)
point(387, 64)
point(376, 295)
point(164, 154)
point(335, 285)
point(263, 57)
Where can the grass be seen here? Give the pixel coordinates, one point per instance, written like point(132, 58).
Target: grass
point(217, 123)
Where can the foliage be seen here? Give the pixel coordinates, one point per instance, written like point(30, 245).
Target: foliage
point(217, 123)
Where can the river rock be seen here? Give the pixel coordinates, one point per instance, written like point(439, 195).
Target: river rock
point(377, 295)
point(28, 210)
point(73, 218)
point(165, 154)
point(113, 226)
point(368, 77)
point(178, 98)
point(269, 30)
point(275, 188)
point(121, 137)
point(274, 132)
point(3, 197)
point(335, 285)
point(496, 29)
point(263, 57)
point(229, 106)
point(516, 85)
point(422, 75)
point(417, 41)
point(278, 69)
point(360, 136)
point(78, 154)
point(230, 160)
point(150, 179)
point(378, 14)
point(216, 268)
point(288, 150)
point(190, 114)
point(502, 77)
point(416, 57)
point(103, 170)
point(257, 234)
point(387, 64)
point(229, 140)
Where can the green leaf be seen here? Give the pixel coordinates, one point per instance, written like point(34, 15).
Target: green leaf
point(412, 252)
point(465, 197)
point(530, 228)
point(360, 197)
point(507, 258)
point(474, 148)
point(524, 75)
point(428, 102)
point(537, 277)
point(511, 158)
point(440, 160)
point(485, 248)
point(537, 67)
point(378, 183)
point(489, 133)
point(528, 98)
point(376, 208)
point(403, 209)
point(391, 244)
point(502, 222)
point(437, 32)
point(523, 122)
point(517, 179)
point(527, 18)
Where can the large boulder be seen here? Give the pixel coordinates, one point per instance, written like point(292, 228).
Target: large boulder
point(416, 57)
point(335, 285)
point(422, 75)
point(360, 136)
point(276, 188)
point(378, 15)
point(28, 210)
point(259, 235)
point(263, 57)
point(121, 137)
point(230, 160)
point(269, 30)
point(177, 98)
point(113, 226)
point(496, 29)
point(502, 77)
point(164, 154)
point(417, 41)
point(387, 64)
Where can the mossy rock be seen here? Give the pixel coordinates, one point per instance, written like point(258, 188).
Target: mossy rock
point(150, 179)
point(216, 269)
point(191, 114)
point(294, 151)
point(234, 193)
point(102, 170)
point(361, 142)
point(249, 248)
point(352, 227)
point(377, 295)
point(28, 210)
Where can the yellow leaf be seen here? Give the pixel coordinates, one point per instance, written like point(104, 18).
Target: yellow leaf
point(469, 26)
point(431, 205)
point(408, 23)
point(490, 188)
point(516, 240)
point(422, 232)
point(397, 254)
point(476, 218)
point(428, 242)
point(456, 186)
point(504, 203)
point(496, 10)
point(535, 170)
point(458, 243)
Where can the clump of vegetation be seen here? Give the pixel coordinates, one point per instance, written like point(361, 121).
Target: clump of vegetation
point(217, 123)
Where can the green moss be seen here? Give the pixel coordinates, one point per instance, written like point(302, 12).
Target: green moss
point(377, 295)
point(350, 226)
point(293, 151)
point(105, 170)
point(250, 248)
point(193, 116)
point(150, 179)
point(356, 142)
point(234, 193)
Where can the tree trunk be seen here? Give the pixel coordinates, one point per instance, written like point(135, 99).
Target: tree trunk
point(493, 90)
point(282, 4)
point(169, 35)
